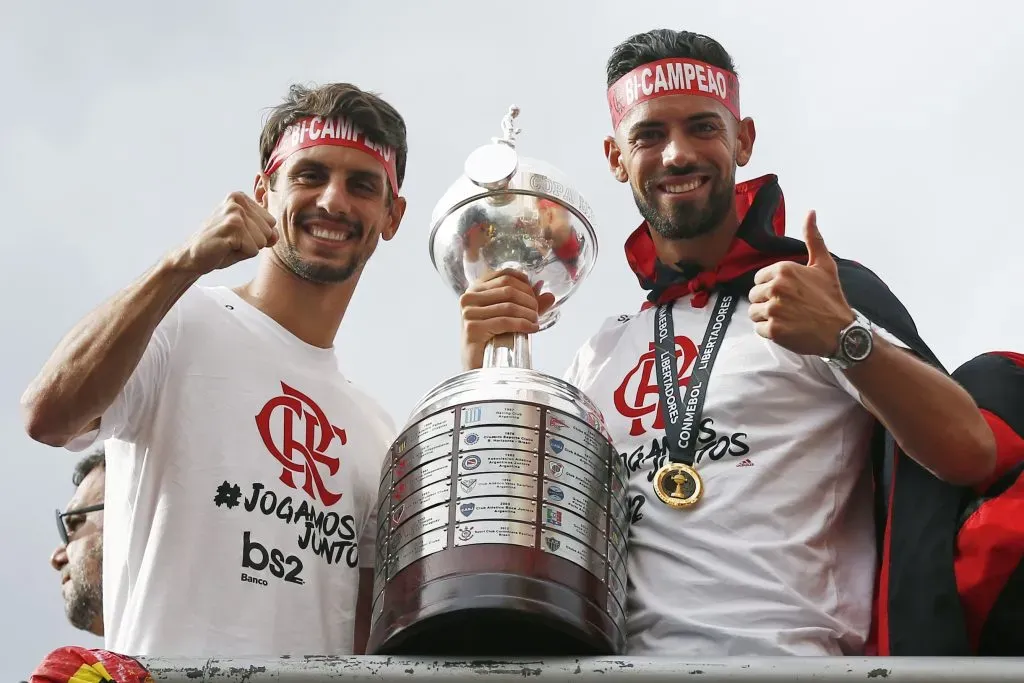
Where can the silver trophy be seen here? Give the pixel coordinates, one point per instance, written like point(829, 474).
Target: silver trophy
point(502, 505)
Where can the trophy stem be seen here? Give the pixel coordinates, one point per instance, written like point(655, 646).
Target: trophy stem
point(510, 350)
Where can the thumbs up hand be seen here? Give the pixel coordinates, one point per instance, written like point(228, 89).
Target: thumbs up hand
point(802, 308)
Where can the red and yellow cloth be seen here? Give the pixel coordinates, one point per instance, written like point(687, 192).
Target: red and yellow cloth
point(81, 665)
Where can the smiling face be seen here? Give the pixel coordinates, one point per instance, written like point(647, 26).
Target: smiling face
point(679, 154)
point(332, 205)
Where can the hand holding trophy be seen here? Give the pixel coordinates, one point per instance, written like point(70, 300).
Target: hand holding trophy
point(502, 505)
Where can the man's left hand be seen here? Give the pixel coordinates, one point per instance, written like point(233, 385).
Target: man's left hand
point(802, 308)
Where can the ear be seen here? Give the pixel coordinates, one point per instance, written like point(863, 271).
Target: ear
point(614, 156)
point(398, 206)
point(260, 188)
point(745, 137)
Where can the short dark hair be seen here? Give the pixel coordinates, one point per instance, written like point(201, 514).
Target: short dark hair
point(87, 465)
point(662, 43)
point(376, 118)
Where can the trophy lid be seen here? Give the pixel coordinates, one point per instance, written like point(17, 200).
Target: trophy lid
point(510, 211)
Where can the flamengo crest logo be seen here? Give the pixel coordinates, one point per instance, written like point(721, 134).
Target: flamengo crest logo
point(300, 443)
point(637, 396)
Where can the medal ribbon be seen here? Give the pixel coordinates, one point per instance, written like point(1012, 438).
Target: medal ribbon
point(682, 414)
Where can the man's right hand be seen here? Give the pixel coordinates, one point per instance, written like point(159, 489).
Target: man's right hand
point(501, 303)
point(95, 360)
point(236, 231)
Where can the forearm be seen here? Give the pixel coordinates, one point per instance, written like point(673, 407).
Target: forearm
point(932, 418)
point(95, 359)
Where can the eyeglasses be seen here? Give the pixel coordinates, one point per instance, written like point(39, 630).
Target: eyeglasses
point(62, 528)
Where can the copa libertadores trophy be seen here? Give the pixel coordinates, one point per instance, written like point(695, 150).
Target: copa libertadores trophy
point(502, 505)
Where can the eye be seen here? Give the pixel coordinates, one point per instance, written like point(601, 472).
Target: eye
point(704, 128)
point(308, 177)
point(364, 187)
point(73, 523)
point(646, 137)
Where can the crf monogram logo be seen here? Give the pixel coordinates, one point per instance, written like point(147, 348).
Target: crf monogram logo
point(296, 413)
point(637, 396)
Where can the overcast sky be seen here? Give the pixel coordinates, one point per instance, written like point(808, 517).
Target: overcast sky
point(124, 124)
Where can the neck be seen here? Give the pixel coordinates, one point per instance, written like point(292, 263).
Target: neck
point(311, 311)
point(707, 250)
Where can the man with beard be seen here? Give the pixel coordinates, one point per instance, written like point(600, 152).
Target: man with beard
point(242, 466)
point(752, 526)
point(79, 557)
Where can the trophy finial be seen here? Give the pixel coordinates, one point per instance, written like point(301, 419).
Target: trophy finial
point(492, 166)
point(508, 127)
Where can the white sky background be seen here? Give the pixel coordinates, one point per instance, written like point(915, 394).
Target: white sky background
point(123, 125)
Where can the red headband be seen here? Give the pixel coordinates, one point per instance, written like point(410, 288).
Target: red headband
point(673, 76)
point(317, 130)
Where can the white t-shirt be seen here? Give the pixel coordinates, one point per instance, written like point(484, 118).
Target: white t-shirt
point(778, 557)
point(241, 482)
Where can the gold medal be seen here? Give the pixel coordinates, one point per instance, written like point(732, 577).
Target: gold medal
point(678, 485)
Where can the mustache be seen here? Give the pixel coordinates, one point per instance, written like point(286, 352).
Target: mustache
point(339, 219)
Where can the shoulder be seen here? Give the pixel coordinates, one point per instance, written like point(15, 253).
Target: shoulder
point(992, 364)
point(599, 346)
point(995, 380)
point(613, 328)
point(197, 302)
point(607, 335)
point(187, 326)
point(869, 294)
point(200, 298)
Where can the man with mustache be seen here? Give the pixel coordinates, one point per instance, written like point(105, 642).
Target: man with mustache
point(242, 466)
point(79, 557)
point(753, 530)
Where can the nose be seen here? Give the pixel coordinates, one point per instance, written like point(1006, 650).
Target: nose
point(678, 151)
point(334, 198)
point(59, 557)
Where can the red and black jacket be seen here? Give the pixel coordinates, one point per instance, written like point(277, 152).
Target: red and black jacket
point(990, 542)
point(919, 611)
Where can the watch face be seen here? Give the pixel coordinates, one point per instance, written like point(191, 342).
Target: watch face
point(857, 344)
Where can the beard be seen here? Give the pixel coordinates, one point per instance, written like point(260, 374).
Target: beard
point(318, 273)
point(322, 273)
point(84, 602)
point(687, 219)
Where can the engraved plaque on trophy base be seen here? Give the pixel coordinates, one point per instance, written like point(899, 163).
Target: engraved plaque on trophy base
point(501, 524)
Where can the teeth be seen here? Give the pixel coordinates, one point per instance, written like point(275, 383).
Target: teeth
point(324, 233)
point(685, 187)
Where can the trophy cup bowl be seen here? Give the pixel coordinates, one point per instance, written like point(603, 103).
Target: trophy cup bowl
point(502, 511)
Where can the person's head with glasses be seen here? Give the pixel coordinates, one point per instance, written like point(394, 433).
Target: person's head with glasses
point(79, 557)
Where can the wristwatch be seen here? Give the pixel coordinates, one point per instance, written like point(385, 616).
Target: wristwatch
point(855, 343)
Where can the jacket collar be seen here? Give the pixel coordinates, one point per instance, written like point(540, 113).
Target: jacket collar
point(759, 242)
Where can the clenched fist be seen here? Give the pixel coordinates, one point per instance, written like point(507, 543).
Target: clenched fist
point(236, 231)
point(504, 302)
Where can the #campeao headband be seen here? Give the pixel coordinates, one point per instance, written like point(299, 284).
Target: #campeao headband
point(673, 76)
point(317, 130)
